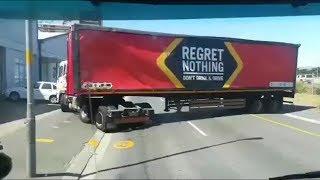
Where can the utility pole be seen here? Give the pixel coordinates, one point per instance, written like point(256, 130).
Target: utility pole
point(30, 119)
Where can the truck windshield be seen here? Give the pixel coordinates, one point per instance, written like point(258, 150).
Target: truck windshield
point(61, 71)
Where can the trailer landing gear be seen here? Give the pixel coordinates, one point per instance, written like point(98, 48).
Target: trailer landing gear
point(255, 106)
point(274, 105)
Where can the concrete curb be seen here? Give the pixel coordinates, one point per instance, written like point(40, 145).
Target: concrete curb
point(80, 161)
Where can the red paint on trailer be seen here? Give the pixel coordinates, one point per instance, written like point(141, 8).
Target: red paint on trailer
point(263, 63)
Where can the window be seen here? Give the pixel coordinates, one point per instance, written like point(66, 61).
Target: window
point(46, 86)
point(19, 73)
point(54, 86)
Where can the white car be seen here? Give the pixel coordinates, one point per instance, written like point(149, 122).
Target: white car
point(42, 91)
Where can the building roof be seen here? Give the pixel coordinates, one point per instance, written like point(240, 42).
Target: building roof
point(52, 37)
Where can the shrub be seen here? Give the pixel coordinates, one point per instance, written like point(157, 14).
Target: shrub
point(317, 91)
point(301, 88)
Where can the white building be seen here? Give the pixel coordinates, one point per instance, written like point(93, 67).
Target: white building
point(53, 51)
point(12, 54)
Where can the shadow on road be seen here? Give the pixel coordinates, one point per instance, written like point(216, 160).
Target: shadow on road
point(287, 108)
point(174, 154)
point(203, 113)
point(314, 174)
point(11, 111)
point(212, 113)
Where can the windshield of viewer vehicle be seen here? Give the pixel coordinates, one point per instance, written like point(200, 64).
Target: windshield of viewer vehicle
point(159, 90)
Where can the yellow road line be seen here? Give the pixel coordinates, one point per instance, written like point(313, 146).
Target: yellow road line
point(288, 126)
point(44, 140)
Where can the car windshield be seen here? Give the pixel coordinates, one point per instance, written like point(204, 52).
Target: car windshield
point(95, 89)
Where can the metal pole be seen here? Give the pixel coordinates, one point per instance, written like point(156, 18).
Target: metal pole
point(30, 119)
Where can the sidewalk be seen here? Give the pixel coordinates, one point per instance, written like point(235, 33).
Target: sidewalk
point(11, 111)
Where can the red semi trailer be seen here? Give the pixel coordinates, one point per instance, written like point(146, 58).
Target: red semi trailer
point(106, 64)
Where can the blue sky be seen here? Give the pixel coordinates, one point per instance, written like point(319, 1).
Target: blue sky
point(304, 30)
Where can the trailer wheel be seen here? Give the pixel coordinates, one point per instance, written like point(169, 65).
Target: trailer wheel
point(255, 106)
point(63, 104)
point(274, 105)
point(84, 114)
point(103, 121)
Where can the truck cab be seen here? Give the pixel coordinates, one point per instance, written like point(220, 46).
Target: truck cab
point(62, 79)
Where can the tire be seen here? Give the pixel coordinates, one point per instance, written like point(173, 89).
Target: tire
point(103, 121)
point(63, 104)
point(5, 165)
point(53, 99)
point(84, 114)
point(274, 105)
point(14, 96)
point(255, 106)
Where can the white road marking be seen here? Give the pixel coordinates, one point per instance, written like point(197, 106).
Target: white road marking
point(195, 127)
point(55, 127)
point(66, 121)
point(303, 118)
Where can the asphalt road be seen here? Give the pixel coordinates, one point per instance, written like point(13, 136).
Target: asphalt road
point(200, 144)
point(212, 144)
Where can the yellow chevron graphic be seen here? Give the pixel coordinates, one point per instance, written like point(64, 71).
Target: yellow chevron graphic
point(236, 56)
point(161, 62)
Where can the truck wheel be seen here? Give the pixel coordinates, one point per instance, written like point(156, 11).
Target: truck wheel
point(84, 114)
point(274, 105)
point(53, 99)
point(256, 106)
point(63, 104)
point(103, 121)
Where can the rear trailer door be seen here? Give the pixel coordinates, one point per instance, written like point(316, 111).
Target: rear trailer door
point(142, 62)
